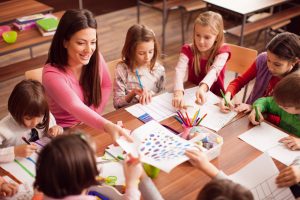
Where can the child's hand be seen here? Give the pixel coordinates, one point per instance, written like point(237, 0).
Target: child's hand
point(8, 189)
point(288, 176)
point(200, 160)
point(55, 131)
point(24, 150)
point(243, 107)
point(177, 100)
point(223, 107)
point(291, 142)
point(116, 131)
point(252, 117)
point(133, 170)
point(145, 97)
point(201, 94)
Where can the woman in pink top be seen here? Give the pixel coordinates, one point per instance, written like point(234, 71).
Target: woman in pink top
point(75, 77)
point(204, 60)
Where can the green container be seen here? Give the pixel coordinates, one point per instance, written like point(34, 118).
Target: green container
point(151, 171)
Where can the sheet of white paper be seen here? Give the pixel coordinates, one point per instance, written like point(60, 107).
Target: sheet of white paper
point(263, 136)
point(113, 169)
point(159, 109)
point(190, 97)
point(281, 153)
point(129, 147)
point(158, 146)
point(261, 180)
point(215, 119)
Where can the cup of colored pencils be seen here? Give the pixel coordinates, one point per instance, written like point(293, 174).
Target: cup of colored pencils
point(188, 123)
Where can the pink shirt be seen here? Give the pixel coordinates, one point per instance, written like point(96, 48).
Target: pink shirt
point(65, 96)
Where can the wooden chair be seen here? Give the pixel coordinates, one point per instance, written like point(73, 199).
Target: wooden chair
point(241, 59)
point(166, 6)
point(112, 67)
point(35, 74)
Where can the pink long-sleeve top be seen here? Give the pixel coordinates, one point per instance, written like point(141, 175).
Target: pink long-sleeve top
point(66, 100)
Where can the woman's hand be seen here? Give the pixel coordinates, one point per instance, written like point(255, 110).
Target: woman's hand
point(288, 176)
point(201, 97)
point(116, 131)
point(24, 150)
point(291, 142)
point(177, 100)
point(55, 131)
point(229, 107)
point(252, 117)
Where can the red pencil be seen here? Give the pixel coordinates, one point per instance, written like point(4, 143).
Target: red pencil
point(188, 119)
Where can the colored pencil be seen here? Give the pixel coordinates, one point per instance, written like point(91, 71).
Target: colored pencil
point(201, 119)
point(195, 117)
point(188, 119)
point(178, 119)
point(25, 140)
point(139, 79)
point(257, 118)
point(223, 95)
point(182, 118)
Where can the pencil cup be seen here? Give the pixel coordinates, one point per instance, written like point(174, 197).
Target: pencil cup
point(151, 171)
point(186, 132)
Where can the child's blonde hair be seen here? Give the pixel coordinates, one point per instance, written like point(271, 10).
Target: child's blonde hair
point(215, 22)
point(287, 91)
point(135, 35)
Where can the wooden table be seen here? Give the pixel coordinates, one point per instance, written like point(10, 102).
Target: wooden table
point(184, 182)
point(10, 10)
point(244, 8)
point(27, 39)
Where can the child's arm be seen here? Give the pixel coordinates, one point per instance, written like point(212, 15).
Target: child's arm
point(148, 189)
point(132, 171)
point(55, 131)
point(263, 105)
point(7, 189)
point(180, 73)
point(289, 175)
point(24, 150)
point(200, 161)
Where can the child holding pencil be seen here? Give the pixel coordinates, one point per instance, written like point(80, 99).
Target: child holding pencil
point(139, 75)
point(74, 170)
point(283, 109)
point(28, 120)
point(204, 60)
point(281, 58)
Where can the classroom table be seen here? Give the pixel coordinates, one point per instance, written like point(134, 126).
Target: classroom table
point(184, 182)
point(10, 10)
point(244, 8)
point(27, 39)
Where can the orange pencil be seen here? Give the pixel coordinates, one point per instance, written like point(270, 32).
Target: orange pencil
point(201, 119)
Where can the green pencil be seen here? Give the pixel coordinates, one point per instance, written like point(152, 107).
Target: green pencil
point(223, 95)
point(257, 118)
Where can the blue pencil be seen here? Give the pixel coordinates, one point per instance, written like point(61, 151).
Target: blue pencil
point(139, 79)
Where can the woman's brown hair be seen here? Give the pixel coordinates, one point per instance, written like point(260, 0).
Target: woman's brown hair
point(28, 99)
point(215, 22)
point(71, 22)
point(135, 35)
point(66, 166)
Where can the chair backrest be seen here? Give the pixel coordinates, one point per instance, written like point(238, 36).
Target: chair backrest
point(35, 74)
point(241, 58)
point(112, 67)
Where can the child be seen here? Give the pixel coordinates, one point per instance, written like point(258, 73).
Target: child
point(7, 189)
point(204, 60)
point(28, 119)
point(281, 58)
point(138, 76)
point(220, 187)
point(74, 170)
point(284, 108)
